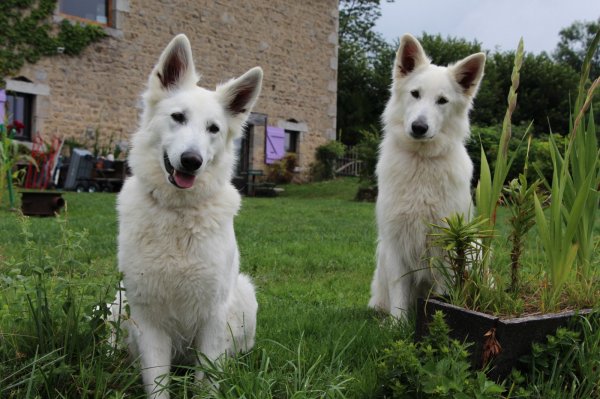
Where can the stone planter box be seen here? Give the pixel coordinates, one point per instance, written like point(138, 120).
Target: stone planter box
point(512, 337)
point(41, 203)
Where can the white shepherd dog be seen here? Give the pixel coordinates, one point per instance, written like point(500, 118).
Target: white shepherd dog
point(177, 247)
point(423, 172)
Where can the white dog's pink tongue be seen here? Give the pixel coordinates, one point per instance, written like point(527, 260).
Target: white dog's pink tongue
point(184, 180)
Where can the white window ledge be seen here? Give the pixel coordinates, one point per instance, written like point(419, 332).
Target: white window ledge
point(19, 86)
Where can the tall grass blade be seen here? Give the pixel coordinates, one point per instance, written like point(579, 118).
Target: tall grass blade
point(489, 190)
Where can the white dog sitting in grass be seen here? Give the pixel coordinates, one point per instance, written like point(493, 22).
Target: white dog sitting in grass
point(177, 247)
point(424, 171)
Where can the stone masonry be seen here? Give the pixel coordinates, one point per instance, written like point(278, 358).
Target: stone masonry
point(295, 42)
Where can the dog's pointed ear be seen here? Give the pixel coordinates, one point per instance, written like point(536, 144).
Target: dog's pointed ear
point(175, 66)
point(410, 56)
point(238, 96)
point(468, 73)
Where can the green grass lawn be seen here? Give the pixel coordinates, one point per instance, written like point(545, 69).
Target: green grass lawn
point(310, 252)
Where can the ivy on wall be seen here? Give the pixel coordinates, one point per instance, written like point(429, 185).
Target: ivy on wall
point(28, 33)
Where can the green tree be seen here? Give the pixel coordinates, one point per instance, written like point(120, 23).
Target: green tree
point(28, 33)
point(544, 90)
point(364, 69)
point(488, 106)
point(365, 63)
point(546, 87)
point(357, 20)
point(574, 42)
point(449, 50)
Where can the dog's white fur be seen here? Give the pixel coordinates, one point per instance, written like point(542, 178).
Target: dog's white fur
point(177, 248)
point(423, 171)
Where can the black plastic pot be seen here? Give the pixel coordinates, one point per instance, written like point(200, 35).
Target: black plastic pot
point(501, 342)
point(41, 203)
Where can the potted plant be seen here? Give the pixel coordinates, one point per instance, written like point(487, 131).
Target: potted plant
point(35, 199)
point(562, 212)
point(10, 154)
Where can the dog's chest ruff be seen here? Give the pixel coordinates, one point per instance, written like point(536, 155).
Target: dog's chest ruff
point(180, 259)
point(427, 189)
point(416, 192)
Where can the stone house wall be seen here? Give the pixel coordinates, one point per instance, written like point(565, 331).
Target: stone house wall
point(295, 42)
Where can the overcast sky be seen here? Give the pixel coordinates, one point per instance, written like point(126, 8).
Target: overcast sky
point(497, 24)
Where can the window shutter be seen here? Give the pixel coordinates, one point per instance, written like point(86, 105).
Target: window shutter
point(275, 145)
point(2, 106)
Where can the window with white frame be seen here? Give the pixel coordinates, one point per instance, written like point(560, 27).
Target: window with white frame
point(19, 112)
point(291, 141)
point(25, 105)
point(97, 11)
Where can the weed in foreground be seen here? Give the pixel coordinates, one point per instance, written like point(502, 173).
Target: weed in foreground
point(53, 325)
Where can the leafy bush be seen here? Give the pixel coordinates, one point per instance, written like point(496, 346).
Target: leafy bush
point(368, 153)
point(437, 367)
point(326, 156)
point(538, 153)
point(282, 171)
point(565, 366)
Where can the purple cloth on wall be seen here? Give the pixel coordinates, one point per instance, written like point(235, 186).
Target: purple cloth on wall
point(2, 105)
point(275, 146)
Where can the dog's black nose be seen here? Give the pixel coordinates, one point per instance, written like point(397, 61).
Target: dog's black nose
point(419, 128)
point(191, 161)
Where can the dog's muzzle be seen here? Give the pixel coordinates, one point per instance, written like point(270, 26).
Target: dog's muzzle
point(184, 178)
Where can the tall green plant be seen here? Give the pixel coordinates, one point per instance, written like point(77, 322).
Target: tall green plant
point(489, 189)
point(461, 267)
point(518, 196)
point(585, 164)
point(567, 233)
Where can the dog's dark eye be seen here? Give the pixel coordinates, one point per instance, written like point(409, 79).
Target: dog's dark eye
point(415, 93)
point(213, 128)
point(178, 117)
point(442, 100)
